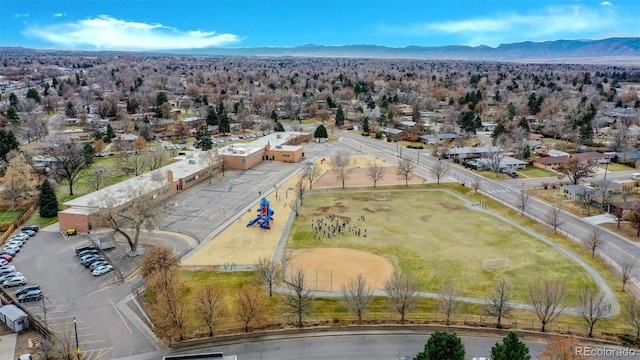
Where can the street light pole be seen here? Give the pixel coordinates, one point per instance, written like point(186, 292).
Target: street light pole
point(75, 328)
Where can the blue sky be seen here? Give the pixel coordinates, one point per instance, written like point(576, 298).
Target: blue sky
point(163, 24)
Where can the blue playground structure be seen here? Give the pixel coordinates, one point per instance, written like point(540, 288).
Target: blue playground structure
point(265, 214)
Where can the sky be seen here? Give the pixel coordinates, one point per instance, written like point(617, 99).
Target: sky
point(144, 25)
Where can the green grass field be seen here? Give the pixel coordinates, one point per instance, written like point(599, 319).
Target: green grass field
point(8, 216)
point(615, 167)
point(534, 172)
point(432, 235)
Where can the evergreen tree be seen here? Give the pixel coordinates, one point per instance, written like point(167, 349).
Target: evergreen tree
point(224, 126)
point(161, 98)
point(13, 100)
point(365, 125)
point(498, 131)
point(110, 134)
point(12, 114)
point(8, 142)
point(203, 139)
point(212, 116)
point(339, 117)
point(33, 94)
point(47, 202)
point(469, 122)
point(510, 349)
point(442, 346)
point(279, 127)
point(274, 116)
point(321, 132)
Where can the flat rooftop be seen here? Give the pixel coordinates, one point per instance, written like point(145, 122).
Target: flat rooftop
point(182, 167)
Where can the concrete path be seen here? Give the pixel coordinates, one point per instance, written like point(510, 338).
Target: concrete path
point(8, 346)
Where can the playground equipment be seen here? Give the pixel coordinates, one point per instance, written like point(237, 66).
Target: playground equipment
point(265, 213)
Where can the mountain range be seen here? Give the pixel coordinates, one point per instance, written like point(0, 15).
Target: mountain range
point(605, 51)
point(621, 48)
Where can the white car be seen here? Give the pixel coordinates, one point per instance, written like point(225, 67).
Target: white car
point(3, 262)
point(102, 270)
point(16, 242)
point(15, 248)
point(11, 275)
point(15, 281)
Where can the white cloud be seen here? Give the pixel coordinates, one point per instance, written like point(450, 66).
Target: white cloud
point(545, 24)
point(59, 14)
point(605, 3)
point(108, 33)
point(21, 15)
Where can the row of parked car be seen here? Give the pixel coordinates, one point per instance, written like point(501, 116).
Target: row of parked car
point(90, 257)
point(9, 275)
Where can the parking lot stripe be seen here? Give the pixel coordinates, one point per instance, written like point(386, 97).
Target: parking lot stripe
point(121, 317)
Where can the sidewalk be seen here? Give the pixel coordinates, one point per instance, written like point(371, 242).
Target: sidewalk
point(8, 346)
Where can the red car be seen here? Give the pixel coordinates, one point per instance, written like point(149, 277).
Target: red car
point(6, 257)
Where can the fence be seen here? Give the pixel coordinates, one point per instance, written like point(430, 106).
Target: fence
point(315, 279)
point(5, 235)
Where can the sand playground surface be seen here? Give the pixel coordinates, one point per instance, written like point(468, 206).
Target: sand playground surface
point(327, 268)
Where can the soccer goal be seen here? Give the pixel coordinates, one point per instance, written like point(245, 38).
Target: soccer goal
point(495, 264)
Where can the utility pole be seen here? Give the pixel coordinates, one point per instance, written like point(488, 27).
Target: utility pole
point(75, 328)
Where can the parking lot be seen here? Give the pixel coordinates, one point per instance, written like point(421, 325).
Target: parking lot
point(71, 291)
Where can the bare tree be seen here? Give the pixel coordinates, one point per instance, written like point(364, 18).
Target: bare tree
point(523, 202)
point(406, 167)
point(440, 169)
point(576, 169)
point(298, 299)
point(554, 219)
point(357, 294)
point(626, 266)
point(520, 141)
point(545, 300)
point(169, 286)
point(632, 315)
point(498, 303)
point(618, 212)
point(341, 162)
point(131, 163)
point(475, 185)
point(592, 306)
point(250, 307)
point(402, 293)
point(73, 158)
point(447, 295)
point(299, 189)
point(138, 213)
point(155, 159)
point(158, 259)
point(210, 159)
point(494, 159)
point(375, 172)
point(311, 173)
point(18, 185)
point(594, 239)
point(209, 305)
point(267, 271)
point(634, 219)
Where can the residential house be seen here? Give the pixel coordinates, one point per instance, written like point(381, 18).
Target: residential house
point(395, 134)
point(549, 162)
point(440, 137)
point(579, 192)
point(506, 163)
point(472, 152)
point(592, 156)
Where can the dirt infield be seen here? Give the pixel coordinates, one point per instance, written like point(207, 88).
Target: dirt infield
point(328, 269)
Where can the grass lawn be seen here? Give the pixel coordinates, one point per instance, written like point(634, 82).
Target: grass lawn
point(8, 216)
point(616, 167)
point(534, 172)
point(432, 235)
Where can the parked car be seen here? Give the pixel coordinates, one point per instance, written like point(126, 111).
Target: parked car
point(16, 242)
point(97, 264)
point(87, 252)
point(90, 260)
point(31, 227)
point(7, 269)
point(10, 276)
point(33, 295)
point(15, 248)
point(21, 236)
point(15, 281)
point(3, 262)
point(102, 270)
point(31, 233)
point(9, 252)
point(27, 289)
point(85, 247)
point(25, 357)
point(7, 257)
point(88, 256)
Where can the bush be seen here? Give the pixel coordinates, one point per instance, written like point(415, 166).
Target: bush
point(411, 146)
point(379, 135)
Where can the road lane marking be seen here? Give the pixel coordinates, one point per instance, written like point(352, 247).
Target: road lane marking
point(121, 317)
